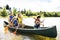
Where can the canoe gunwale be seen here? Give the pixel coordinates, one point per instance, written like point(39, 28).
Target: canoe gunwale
point(41, 28)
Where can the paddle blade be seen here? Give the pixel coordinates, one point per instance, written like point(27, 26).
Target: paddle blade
point(5, 30)
point(6, 22)
point(14, 32)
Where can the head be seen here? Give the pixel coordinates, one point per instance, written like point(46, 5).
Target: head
point(38, 17)
point(19, 15)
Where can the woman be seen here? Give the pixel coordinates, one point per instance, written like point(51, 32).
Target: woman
point(37, 22)
point(20, 18)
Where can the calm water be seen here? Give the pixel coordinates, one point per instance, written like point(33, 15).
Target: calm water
point(29, 21)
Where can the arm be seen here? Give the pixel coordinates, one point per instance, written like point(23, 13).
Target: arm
point(42, 21)
point(9, 18)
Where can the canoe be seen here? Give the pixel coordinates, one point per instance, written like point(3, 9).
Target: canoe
point(44, 31)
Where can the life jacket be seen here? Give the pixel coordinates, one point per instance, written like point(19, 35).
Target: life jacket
point(37, 21)
point(11, 17)
point(15, 22)
point(19, 20)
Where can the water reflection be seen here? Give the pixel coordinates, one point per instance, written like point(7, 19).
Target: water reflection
point(28, 37)
point(39, 37)
point(10, 36)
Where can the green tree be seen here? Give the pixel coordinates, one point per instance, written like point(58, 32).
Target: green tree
point(22, 11)
point(7, 7)
point(14, 11)
point(55, 15)
point(4, 13)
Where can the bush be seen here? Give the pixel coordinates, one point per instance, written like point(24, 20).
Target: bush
point(4, 13)
point(51, 14)
point(7, 7)
point(14, 11)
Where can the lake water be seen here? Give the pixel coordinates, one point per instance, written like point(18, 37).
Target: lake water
point(30, 21)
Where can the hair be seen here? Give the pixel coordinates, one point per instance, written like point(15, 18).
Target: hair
point(38, 16)
point(18, 14)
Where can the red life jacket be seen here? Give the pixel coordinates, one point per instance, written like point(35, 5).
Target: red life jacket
point(37, 20)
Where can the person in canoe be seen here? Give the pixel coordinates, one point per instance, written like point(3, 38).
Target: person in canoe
point(20, 18)
point(38, 22)
point(15, 22)
point(11, 19)
point(10, 23)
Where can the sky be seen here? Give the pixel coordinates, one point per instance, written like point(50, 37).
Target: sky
point(33, 5)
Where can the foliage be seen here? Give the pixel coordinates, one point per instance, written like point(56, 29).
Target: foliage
point(14, 11)
point(29, 13)
point(45, 14)
point(4, 13)
point(52, 14)
point(7, 7)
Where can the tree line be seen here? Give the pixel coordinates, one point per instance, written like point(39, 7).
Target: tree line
point(28, 13)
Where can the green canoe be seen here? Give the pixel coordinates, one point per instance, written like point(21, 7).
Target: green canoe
point(44, 31)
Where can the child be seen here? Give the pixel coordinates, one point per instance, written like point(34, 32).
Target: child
point(37, 22)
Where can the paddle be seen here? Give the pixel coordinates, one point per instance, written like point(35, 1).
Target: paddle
point(6, 22)
point(6, 27)
point(42, 22)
